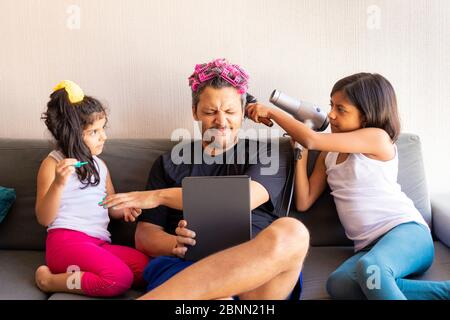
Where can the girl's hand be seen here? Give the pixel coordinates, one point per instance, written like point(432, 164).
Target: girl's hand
point(256, 111)
point(130, 214)
point(64, 169)
point(184, 237)
point(137, 199)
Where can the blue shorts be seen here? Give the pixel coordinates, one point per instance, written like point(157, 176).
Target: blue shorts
point(161, 269)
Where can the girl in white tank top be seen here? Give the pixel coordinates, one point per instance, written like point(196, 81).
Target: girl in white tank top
point(71, 185)
point(359, 161)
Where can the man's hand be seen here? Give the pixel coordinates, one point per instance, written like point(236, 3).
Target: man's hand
point(184, 237)
point(137, 199)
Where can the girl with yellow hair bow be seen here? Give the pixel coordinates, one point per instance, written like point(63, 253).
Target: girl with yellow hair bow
point(71, 182)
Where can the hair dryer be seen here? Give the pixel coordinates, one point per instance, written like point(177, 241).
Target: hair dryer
point(311, 115)
point(306, 112)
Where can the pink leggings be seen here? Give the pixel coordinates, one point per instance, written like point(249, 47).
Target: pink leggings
point(109, 270)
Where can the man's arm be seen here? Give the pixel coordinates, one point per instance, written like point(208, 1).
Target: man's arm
point(152, 240)
point(172, 198)
point(169, 197)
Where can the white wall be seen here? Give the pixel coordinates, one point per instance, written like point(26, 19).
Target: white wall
point(136, 55)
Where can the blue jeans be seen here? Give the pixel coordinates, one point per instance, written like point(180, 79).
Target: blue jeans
point(378, 273)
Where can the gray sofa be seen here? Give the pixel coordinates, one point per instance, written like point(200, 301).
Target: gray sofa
point(22, 240)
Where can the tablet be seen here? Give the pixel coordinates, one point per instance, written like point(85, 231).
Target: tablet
point(218, 210)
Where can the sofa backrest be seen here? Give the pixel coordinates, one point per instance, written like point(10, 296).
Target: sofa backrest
point(129, 161)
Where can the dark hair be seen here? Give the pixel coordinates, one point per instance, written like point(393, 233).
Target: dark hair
point(375, 98)
point(216, 83)
point(66, 121)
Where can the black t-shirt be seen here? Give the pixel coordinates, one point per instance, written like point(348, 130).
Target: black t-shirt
point(245, 158)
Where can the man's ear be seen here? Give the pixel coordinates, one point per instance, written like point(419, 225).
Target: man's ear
point(194, 113)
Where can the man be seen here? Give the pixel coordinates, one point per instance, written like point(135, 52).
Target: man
point(266, 267)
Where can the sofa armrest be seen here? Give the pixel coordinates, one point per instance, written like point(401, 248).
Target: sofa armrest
point(440, 206)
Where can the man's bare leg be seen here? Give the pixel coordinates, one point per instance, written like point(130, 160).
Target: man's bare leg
point(279, 288)
point(266, 267)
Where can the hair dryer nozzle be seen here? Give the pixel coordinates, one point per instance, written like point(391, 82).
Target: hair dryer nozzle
point(301, 110)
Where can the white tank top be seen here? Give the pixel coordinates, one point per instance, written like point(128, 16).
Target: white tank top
point(368, 198)
point(79, 209)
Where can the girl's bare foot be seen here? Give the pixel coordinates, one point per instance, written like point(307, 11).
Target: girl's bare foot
point(43, 276)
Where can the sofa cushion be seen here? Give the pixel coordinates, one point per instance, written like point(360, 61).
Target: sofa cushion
point(129, 161)
point(440, 270)
point(441, 217)
point(130, 294)
point(17, 268)
point(319, 264)
point(322, 261)
point(7, 198)
point(411, 173)
point(19, 163)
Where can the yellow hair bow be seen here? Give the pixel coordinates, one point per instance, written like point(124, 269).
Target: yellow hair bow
point(73, 90)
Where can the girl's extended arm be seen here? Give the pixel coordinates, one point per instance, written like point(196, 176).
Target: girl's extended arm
point(307, 190)
point(371, 141)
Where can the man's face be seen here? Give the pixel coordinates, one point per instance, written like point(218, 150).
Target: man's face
point(220, 113)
